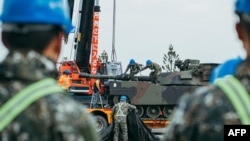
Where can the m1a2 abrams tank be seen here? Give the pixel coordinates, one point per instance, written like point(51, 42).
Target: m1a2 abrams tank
point(156, 101)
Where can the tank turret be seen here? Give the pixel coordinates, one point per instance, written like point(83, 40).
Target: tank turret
point(192, 72)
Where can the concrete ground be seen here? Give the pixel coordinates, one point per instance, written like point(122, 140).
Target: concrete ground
point(158, 132)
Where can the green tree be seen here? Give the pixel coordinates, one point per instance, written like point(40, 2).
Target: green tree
point(103, 57)
point(169, 60)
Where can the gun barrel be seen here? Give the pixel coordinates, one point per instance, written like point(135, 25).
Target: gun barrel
point(115, 77)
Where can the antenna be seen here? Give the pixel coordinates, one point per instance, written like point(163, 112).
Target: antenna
point(113, 54)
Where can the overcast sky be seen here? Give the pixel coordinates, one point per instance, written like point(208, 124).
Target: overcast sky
point(197, 29)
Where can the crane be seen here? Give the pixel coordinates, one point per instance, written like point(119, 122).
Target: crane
point(113, 54)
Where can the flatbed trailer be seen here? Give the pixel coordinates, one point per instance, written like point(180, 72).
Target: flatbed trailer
point(103, 118)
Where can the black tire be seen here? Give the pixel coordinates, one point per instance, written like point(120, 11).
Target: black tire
point(101, 123)
point(140, 111)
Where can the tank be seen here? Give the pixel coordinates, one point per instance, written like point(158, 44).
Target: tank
point(157, 101)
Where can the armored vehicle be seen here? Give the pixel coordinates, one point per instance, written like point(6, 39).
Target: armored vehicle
point(155, 102)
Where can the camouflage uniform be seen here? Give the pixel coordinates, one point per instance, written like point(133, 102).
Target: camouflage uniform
point(120, 116)
point(201, 116)
point(134, 69)
point(156, 70)
point(54, 117)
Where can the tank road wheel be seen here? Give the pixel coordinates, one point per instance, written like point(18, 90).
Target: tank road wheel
point(140, 111)
point(101, 123)
point(153, 111)
point(115, 99)
point(167, 111)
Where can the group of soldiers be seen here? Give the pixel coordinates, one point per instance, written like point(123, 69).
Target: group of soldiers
point(35, 108)
point(135, 68)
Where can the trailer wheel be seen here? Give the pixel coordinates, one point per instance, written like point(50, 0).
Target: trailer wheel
point(101, 123)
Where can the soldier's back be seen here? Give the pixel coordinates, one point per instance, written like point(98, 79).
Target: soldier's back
point(55, 117)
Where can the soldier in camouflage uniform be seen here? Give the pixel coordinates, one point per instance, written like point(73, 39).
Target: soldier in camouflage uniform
point(155, 70)
point(120, 111)
point(32, 30)
point(133, 67)
point(201, 115)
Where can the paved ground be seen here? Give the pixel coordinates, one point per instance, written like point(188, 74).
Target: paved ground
point(158, 132)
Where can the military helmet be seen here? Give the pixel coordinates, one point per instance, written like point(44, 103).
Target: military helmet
point(148, 62)
point(123, 98)
point(67, 71)
point(47, 12)
point(242, 6)
point(131, 62)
